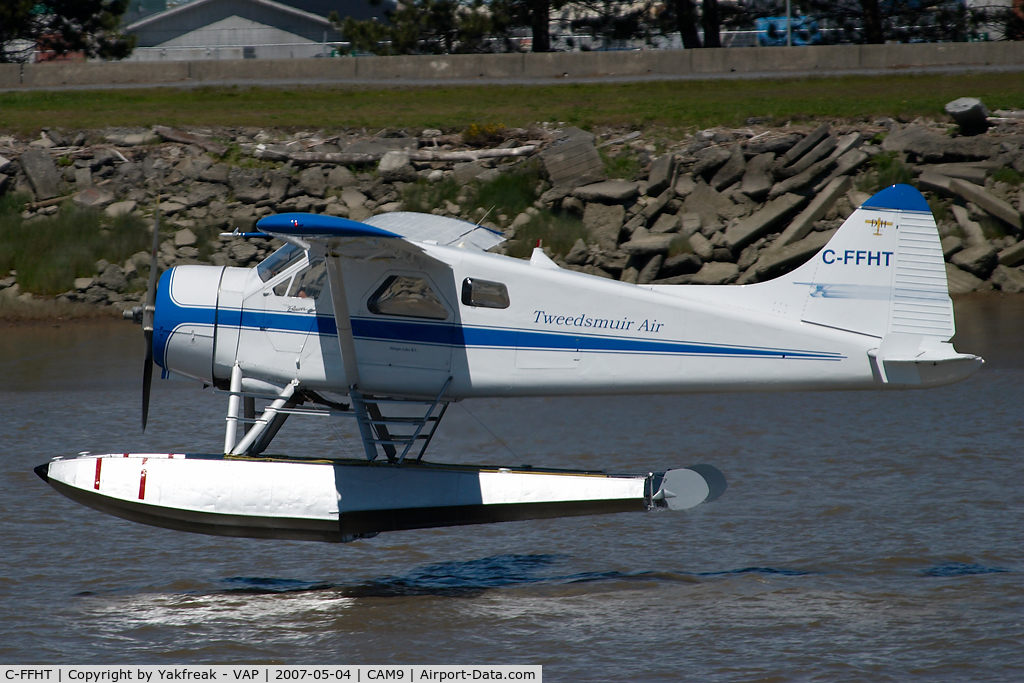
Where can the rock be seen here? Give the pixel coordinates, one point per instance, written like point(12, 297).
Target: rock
point(661, 174)
point(936, 182)
point(630, 274)
point(777, 145)
point(579, 254)
point(359, 213)
point(251, 195)
point(762, 222)
point(815, 211)
point(818, 152)
point(775, 262)
point(756, 179)
point(243, 252)
point(685, 185)
point(339, 176)
point(960, 281)
point(217, 173)
point(83, 179)
point(5, 164)
point(951, 245)
point(607, 191)
point(611, 261)
point(931, 148)
point(1012, 255)
point(468, 172)
point(848, 142)
point(41, 173)
point(680, 264)
point(120, 208)
point(312, 181)
point(732, 171)
point(84, 283)
point(845, 164)
point(649, 273)
point(603, 223)
point(572, 159)
point(353, 198)
point(987, 201)
point(690, 223)
point(801, 179)
point(971, 172)
point(648, 245)
point(709, 160)
point(201, 194)
point(94, 198)
point(702, 247)
point(973, 234)
point(1008, 279)
point(970, 115)
point(184, 238)
point(113, 278)
point(666, 222)
point(805, 145)
point(709, 204)
point(978, 260)
point(573, 204)
point(716, 273)
point(395, 166)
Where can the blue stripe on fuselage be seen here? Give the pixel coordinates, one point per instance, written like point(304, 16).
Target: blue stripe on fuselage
point(171, 315)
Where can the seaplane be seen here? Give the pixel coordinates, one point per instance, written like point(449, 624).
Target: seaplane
point(387, 322)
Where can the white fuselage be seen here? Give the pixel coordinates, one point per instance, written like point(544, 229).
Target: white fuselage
point(563, 332)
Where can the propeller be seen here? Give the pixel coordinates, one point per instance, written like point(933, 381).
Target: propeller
point(147, 317)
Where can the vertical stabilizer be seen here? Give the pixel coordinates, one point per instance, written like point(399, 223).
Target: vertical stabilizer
point(882, 273)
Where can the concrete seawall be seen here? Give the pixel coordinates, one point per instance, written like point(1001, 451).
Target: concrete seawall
point(527, 66)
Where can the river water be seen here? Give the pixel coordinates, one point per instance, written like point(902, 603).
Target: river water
point(864, 536)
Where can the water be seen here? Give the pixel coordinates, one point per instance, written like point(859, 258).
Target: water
point(863, 536)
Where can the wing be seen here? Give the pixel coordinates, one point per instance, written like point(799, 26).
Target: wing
point(362, 240)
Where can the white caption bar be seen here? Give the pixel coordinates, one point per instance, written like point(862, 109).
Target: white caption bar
point(410, 673)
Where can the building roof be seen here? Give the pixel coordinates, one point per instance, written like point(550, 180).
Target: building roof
point(300, 17)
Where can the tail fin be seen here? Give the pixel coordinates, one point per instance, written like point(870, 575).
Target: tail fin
point(882, 273)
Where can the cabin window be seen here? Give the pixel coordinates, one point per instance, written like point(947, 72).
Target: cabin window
point(484, 293)
point(281, 288)
point(279, 261)
point(309, 282)
point(407, 296)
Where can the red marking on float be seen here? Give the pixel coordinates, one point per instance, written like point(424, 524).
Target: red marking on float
point(96, 482)
point(142, 484)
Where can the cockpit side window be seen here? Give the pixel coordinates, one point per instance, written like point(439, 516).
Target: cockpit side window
point(309, 282)
point(407, 296)
point(282, 287)
point(484, 293)
point(279, 261)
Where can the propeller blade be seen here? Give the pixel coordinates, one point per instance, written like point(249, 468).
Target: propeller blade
point(147, 379)
point(147, 316)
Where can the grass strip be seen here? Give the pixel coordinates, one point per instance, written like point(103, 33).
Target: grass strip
point(670, 104)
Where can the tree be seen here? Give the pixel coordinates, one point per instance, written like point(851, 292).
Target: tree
point(420, 27)
point(613, 21)
point(91, 27)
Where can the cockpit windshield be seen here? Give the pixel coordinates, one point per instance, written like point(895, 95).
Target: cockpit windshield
point(279, 261)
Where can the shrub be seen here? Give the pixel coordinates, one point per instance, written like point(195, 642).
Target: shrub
point(50, 252)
